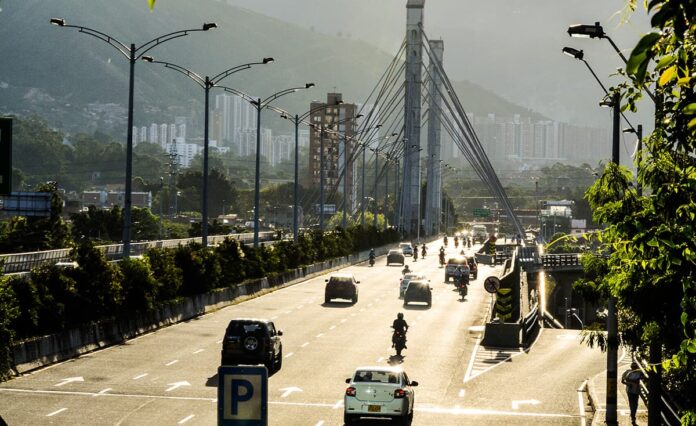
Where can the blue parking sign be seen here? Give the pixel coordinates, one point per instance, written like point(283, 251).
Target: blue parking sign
point(243, 396)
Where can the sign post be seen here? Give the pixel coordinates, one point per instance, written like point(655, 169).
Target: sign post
point(242, 396)
point(5, 156)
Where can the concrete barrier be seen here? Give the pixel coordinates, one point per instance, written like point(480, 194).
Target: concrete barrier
point(41, 351)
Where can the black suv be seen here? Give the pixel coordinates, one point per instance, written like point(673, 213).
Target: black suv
point(252, 341)
point(341, 286)
point(418, 291)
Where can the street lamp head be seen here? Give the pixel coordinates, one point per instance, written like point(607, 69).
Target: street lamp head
point(284, 116)
point(58, 21)
point(607, 103)
point(574, 53)
point(209, 26)
point(267, 60)
point(358, 116)
point(308, 85)
point(394, 134)
point(586, 31)
point(148, 59)
point(628, 130)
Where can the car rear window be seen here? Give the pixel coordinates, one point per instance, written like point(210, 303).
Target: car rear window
point(340, 280)
point(241, 329)
point(457, 260)
point(376, 376)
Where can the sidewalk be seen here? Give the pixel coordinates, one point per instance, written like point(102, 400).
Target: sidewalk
point(597, 390)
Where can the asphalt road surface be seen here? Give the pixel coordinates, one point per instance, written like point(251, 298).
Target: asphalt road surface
point(169, 377)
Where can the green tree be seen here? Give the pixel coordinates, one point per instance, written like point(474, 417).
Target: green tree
point(9, 311)
point(652, 266)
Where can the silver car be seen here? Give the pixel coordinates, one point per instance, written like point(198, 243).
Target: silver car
point(407, 248)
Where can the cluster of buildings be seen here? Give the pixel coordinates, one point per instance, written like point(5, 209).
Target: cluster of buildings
point(530, 143)
point(232, 129)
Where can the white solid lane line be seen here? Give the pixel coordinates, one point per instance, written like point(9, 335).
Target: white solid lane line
point(338, 404)
point(56, 412)
point(171, 362)
point(320, 423)
point(185, 419)
point(139, 376)
point(581, 403)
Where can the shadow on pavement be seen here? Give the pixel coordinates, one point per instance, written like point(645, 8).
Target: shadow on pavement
point(338, 305)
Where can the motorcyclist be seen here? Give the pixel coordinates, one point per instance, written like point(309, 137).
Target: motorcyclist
point(371, 256)
point(461, 275)
point(406, 270)
point(400, 326)
point(444, 241)
point(415, 254)
point(442, 255)
point(456, 241)
point(468, 242)
point(424, 251)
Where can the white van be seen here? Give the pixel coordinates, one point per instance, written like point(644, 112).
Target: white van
point(479, 233)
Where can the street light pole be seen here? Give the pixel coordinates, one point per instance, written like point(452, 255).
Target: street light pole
point(375, 193)
point(132, 54)
point(296, 190)
point(206, 83)
point(386, 190)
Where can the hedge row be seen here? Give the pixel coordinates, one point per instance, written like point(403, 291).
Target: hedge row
point(51, 299)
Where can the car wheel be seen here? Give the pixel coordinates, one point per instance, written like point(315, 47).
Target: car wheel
point(355, 299)
point(405, 302)
point(430, 303)
point(446, 278)
point(327, 299)
point(347, 418)
point(279, 360)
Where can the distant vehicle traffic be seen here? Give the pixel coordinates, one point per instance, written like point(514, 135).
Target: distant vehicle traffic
point(379, 392)
point(418, 291)
point(407, 278)
point(395, 256)
point(479, 233)
point(473, 266)
point(341, 286)
point(406, 248)
point(252, 341)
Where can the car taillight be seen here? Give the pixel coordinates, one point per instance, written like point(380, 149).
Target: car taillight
point(350, 391)
point(399, 393)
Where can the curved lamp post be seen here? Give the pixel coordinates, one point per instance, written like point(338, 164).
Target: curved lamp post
point(260, 104)
point(206, 83)
point(132, 54)
point(596, 31)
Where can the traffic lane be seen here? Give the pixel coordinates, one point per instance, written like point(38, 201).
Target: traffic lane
point(545, 379)
point(185, 354)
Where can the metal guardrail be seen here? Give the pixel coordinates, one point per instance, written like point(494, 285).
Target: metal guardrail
point(530, 322)
point(668, 413)
point(24, 262)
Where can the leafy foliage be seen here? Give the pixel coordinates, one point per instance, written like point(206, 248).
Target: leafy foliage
point(652, 267)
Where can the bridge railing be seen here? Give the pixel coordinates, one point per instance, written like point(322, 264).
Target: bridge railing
point(24, 262)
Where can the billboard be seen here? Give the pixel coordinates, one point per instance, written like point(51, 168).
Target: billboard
point(5, 156)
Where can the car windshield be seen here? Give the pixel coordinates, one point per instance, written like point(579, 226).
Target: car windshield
point(340, 280)
point(376, 376)
point(405, 245)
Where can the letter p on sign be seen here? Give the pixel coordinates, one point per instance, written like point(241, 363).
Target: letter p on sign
point(242, 396)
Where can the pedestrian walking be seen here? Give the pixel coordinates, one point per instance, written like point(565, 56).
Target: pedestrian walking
point(631, 378)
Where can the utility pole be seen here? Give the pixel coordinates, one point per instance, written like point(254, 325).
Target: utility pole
point(173, 165)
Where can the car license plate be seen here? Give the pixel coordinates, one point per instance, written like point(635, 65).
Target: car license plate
point(374, 408)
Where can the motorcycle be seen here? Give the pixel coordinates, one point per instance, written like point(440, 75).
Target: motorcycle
point(462, 285)
point(372, 261)
point(442, 259)
point(399, 341)
point(423, 252)
point(456, 242)
point(468, 242)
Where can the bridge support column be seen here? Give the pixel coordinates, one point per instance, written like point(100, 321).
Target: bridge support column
point(433, 198)
point(412, 117)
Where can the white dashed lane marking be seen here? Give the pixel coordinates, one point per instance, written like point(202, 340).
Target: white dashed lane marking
point(171, 362)
point(185, 419)
point(56, 412)
point(140, 376)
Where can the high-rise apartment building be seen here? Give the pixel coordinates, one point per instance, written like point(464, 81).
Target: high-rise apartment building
point(339, 119)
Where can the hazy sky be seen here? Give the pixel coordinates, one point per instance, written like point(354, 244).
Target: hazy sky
point(510, 46)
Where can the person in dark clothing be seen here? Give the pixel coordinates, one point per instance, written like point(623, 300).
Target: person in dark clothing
point(400, 326)
point(631, 378)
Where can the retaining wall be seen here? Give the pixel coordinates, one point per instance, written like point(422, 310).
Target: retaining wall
point(41, 351)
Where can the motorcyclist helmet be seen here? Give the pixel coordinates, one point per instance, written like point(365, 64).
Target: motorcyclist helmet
point(400, 315)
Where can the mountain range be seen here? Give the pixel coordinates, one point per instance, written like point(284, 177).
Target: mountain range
point(80, 83)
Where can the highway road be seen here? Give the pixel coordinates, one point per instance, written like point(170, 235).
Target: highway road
point(169, 377)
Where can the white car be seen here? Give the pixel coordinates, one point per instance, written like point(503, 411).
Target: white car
point(407, 279)
point(379, 392)
point(406, 248)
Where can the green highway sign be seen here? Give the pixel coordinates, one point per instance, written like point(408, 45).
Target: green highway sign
point(5, 156)
point(482, 212)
